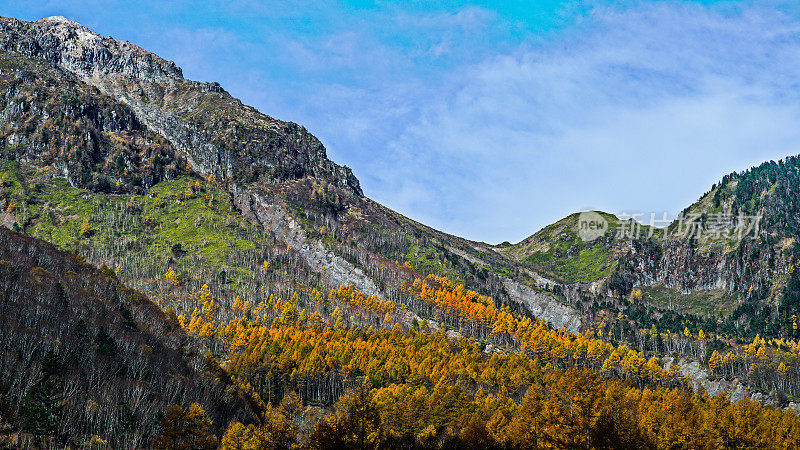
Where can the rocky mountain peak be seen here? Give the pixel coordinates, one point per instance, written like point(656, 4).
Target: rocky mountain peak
point(87, 54)
point(216, 133)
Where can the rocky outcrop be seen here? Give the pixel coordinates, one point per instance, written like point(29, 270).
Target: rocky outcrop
point(48, 117)
point(335, 270)
point(734, 389)
point(544, 306)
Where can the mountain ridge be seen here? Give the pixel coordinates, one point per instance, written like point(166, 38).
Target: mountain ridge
point(247, 152)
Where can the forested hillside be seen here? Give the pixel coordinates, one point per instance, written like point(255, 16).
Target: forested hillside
point(500, 381)
point(88, 361)
point(289, 310)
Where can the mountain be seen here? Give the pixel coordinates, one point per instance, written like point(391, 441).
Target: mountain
point(213, 131)
point(729, 257)
point(560, 252)
point(275, 174)
point(329, 316)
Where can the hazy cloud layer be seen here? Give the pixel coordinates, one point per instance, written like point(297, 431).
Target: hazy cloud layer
point(490, 124)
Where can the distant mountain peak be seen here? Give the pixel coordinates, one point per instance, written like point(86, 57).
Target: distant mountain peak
point(60, 19)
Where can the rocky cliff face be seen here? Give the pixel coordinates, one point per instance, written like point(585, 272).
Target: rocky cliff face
point(216, 133)
point(273, 216)
point(721, 243)
point(48, 117)
point(740, 237)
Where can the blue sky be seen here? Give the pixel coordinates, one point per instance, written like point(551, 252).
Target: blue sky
point(492, 119)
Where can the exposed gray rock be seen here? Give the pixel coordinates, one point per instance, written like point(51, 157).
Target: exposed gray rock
point(734, 389)
point(335, 270)
point(81, 51)
point(7, 220)
point(544, 306)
